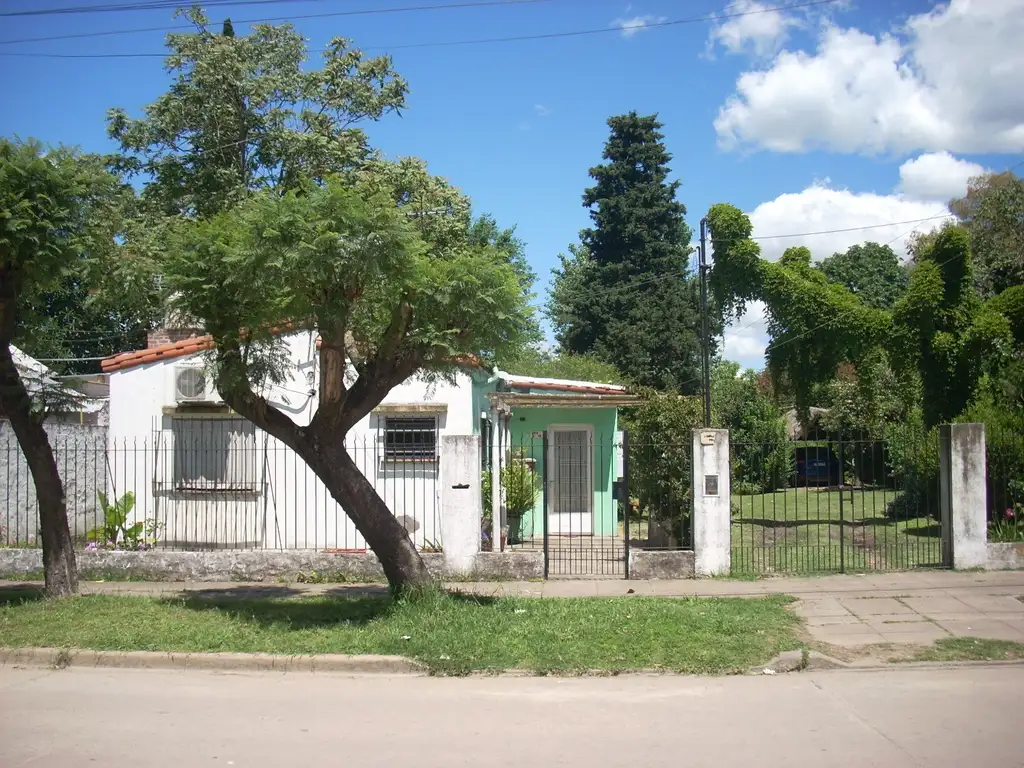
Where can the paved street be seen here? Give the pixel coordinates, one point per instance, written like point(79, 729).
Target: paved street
point(109, 717)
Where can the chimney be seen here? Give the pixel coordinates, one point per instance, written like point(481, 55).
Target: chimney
point(176, 327)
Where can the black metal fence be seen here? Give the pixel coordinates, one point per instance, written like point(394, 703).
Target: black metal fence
point(1004, 453)
point(836, 505)
point(219, 484)
point(586, 499)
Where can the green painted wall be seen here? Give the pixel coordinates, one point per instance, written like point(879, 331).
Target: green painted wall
point(527, 427)
point(480, 402)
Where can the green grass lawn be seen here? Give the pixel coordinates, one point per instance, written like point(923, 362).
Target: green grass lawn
point(970, 649)
point(804, 530)
point(451, 634)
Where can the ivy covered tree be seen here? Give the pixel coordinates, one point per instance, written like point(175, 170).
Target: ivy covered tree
point(939, 330)
point(625, 294)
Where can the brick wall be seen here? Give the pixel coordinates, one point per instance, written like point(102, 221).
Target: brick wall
point(160, 336)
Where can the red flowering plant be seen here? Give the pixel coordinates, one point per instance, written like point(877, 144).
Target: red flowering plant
point(1009, 525)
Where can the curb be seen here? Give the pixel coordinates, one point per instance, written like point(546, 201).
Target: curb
point(799, 661)
point(60, 658)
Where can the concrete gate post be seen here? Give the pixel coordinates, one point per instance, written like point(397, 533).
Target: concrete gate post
point(461, 505)
point(963, 495)
point(712, 507)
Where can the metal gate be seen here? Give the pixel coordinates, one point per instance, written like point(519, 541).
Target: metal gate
point(595, 498)
point(835, 505)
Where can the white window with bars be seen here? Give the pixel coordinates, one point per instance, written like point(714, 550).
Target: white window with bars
point(212, 454)
point(409, 439)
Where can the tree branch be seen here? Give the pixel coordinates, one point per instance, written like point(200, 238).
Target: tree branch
point(239, 395)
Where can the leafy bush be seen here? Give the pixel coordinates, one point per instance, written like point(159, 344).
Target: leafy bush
point(913, 461)
point(1004, 443)
point(1007, 527)
point(762, 454)
point(660, 457)
point(519, 486)
point(116, 532)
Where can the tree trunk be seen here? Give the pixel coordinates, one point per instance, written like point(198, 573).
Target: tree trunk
point(387, 538)
point(58, 550)
point(322, 446)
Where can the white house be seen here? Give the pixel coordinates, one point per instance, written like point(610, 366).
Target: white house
point(209, 479)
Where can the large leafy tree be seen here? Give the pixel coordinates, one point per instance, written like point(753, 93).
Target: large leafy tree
point(871, 271)
point(275, 210)
point(993, 213)
point(60, 215)
point(244, 114)
point(485, 231)
point(626, 295)
point(388, 295)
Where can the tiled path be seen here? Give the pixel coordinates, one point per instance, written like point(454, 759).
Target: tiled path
point(913, 608)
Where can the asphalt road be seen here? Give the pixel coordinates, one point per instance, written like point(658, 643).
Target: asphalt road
point(109, 717)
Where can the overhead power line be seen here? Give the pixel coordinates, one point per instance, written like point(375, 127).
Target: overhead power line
point(477, 41)
point(293, 17)
point(128, 7)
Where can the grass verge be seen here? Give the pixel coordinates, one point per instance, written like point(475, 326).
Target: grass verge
point(969, 649)
point(449, 633)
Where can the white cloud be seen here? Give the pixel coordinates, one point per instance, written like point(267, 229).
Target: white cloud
point(752, 27)
point(937, 176)
point(745, 340)
point(947, 80)
point(541, 110)
point(637, 24)
point(821, 208)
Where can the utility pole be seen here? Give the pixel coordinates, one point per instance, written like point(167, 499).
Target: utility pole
point(705, 325)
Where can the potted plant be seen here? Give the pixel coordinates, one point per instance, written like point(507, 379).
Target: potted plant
point(519, 484)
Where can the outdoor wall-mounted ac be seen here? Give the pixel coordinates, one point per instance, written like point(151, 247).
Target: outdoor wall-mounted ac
point(193, 385)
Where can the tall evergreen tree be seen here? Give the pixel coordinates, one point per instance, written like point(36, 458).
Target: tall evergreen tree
point(626, 296)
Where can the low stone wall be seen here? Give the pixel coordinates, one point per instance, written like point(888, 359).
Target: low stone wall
point(1005, 557)
point(263, 565)
point(660, 564)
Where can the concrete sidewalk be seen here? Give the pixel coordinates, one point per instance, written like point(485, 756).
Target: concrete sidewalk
point(851, 611)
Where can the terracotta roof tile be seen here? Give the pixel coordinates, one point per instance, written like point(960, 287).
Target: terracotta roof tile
point(181, 348)
point(594, 389)
point(190, 346)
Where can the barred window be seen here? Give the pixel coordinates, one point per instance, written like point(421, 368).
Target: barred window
point(409, 438)
point(214, 455)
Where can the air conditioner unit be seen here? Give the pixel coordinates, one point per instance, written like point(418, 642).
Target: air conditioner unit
point(193, 385)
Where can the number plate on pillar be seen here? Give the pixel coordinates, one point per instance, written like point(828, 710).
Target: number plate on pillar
point(710, 485)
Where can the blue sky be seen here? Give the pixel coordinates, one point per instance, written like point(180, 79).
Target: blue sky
point(835, 116)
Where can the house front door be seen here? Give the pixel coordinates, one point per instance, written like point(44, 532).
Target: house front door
point(571, 463)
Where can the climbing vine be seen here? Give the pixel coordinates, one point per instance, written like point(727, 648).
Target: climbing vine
point(939, 331)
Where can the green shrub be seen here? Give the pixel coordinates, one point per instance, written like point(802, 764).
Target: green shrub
point(519, 485)
point(913, 459)
point(660, 457)
point(1004, 445)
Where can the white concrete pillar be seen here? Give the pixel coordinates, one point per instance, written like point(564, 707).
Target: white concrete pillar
point(963, 494)
point(712, 513)
point(460, 499)
point(496, 422)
